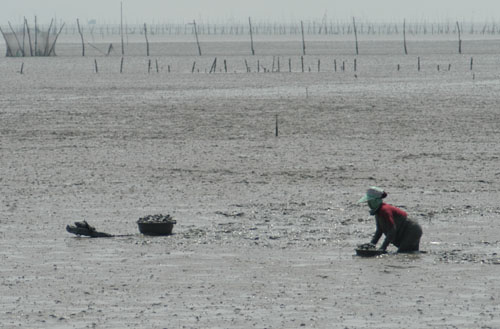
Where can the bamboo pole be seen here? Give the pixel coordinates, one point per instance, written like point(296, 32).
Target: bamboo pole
point(47, 40)
point(36, 37)
point(29, 36)
point(147, 41)
point(109, 49)
point(121, 28)
point(404, 36)
point(303, 40)
point(251, 36)
point(55, 40)
point(355, 35)
point(15, 36)
point(24, 39)
point(214, 66)
point(9, 51)
point(197, 40)
point(81, 35)
point(276, 126)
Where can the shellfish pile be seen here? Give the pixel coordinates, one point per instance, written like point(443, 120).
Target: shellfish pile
point(158, 218)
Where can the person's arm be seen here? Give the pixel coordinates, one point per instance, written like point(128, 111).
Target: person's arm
point(377, 235)
point(390, 233)
point(389, 237)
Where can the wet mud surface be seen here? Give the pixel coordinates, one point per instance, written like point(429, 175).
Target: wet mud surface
point(266, 226)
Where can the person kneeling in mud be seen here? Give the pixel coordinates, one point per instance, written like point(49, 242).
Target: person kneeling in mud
point(402, 232)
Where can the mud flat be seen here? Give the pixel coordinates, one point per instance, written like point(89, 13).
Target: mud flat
point(266, 226)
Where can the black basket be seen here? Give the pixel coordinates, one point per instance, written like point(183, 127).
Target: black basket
point(156, 228)
point(369, 252)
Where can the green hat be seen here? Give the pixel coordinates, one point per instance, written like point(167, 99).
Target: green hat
point(373, 193)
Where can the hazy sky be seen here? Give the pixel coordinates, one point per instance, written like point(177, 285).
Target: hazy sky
point(136, 11)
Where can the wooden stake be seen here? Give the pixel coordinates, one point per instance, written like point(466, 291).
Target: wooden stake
point(214, 66)
point(18, 43)
point(459, 39)
point(55, 40)
point(276, 127)
point(22, 68)
point(147, 41)
point(157, 68)
point(471, 63)
point(192, 69)
point(29, 36)
point(121, 65)
point(46, 50)
point(121, 27)
point(302, 62)
point(225, 66)
point(289, 65)
point(36, 37)
point(355, 65)
point(149, 66)
point(251, 36)
point(355, 35)
point(196, 34)
point(418, 63)
point(303, 40)
point(404, 36)
point(81, 35)
point(95, 65)
point(24, 39)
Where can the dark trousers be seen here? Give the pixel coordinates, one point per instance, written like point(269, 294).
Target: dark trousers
point(410, 240)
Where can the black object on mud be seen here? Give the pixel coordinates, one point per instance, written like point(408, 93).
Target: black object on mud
point(83, 228)
point(368, 250)
point(156, 224)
